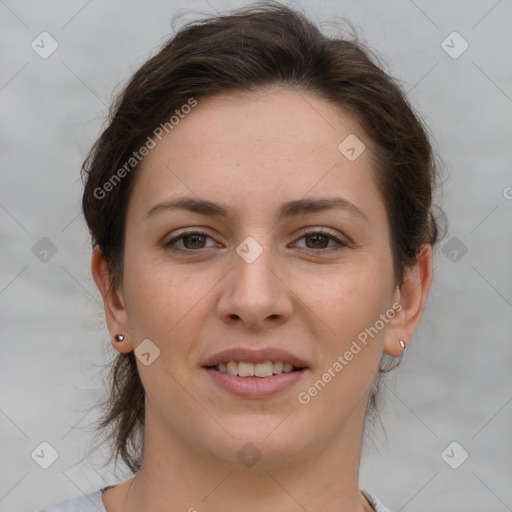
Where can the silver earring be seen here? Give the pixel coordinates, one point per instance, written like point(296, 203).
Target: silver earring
point(119, 337)
point(402, 344)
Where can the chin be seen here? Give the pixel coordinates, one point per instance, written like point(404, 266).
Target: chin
point(257, 440)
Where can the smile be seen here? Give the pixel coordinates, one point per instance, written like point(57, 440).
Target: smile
point(250, 380)
point(251, 373)
point(265, 369)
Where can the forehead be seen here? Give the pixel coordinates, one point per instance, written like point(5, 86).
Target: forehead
point(263, 147)
point(284, 122)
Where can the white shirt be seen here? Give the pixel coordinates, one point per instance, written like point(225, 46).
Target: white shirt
point(92, 502)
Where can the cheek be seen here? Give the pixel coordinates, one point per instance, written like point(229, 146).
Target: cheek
point(349, 298)
point(156, 298)
point(350, 304)
point(168, 305)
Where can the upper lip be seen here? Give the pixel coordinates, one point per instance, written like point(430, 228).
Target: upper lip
point(254, 356)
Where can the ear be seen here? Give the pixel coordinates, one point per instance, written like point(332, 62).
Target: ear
point(412, 295)
point(115, 311)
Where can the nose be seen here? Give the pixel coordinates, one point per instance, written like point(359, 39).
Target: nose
point(255, 294)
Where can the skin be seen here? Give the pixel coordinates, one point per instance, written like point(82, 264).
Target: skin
point(253, 152)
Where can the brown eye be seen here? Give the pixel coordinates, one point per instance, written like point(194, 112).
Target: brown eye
point(318, 241)
point(321, 241)
point(189, 242)
point(193, 241)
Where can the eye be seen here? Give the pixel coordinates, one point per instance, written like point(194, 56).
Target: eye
point(319, 240)
point(189, 241)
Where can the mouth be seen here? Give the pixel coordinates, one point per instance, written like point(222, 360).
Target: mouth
point(261, 370)
point(254, 374)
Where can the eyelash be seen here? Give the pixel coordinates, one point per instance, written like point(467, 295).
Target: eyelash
point(305, 233)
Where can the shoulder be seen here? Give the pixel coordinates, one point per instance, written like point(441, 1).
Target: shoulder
point(91, 502)
point(375, 502)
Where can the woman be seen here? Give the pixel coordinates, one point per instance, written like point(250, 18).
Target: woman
point(260, 208)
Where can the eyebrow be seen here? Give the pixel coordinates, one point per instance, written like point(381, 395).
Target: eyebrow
point(288, 209)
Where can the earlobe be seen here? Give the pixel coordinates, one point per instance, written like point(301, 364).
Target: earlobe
point(121, 344)
point(115, 311)
point(412, 296)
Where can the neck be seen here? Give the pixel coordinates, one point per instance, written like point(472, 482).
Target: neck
point(175, 476)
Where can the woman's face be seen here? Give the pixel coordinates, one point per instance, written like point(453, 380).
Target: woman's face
point(272, 267)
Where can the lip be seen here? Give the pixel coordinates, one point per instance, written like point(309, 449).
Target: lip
point(255, 387)
point(254, 356)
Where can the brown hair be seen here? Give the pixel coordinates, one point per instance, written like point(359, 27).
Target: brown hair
point(261, 45)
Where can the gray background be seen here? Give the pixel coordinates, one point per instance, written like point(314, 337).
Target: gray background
point(455, 383)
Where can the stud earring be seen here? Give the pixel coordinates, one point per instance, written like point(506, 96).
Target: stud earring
point(119, 337)
point(402, 344)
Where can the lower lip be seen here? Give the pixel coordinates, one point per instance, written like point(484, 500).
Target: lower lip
point(255, 387)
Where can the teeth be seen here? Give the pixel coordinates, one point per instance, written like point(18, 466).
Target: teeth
point(232, 368)
point(287, 367)
point(244, 369)
point(278, 366)
point(264, 369)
